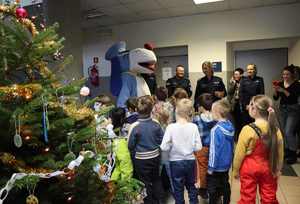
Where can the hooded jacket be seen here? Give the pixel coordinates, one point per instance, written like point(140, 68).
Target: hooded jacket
point(221, 147)
point(204, 123)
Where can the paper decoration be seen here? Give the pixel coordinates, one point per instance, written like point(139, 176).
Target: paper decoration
point(166, 73)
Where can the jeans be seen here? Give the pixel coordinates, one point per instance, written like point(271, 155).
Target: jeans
point(183, 174)
point(289, 121)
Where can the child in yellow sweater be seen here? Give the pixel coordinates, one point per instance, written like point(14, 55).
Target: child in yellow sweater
point(259, 153)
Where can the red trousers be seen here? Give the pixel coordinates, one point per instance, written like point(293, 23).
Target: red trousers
point(255, 172)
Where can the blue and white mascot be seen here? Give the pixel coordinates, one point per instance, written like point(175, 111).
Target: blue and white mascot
point(126, 67)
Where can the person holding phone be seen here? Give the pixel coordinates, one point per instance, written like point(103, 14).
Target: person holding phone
point(234, 99)
point(288, 91)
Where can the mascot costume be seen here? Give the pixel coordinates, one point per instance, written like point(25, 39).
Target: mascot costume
point(126, 67)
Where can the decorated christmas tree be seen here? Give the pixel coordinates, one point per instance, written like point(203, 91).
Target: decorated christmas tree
point(48, 131)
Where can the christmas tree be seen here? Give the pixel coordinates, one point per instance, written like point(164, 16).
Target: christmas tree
point(45, 123)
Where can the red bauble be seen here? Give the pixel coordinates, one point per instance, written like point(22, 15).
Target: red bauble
point(21, 13)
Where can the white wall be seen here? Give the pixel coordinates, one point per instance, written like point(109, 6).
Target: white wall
point(206, 35)
point(96, 46)
point(294, 53)
point(55, 11)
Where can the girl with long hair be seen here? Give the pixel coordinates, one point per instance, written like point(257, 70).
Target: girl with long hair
point(259, 153)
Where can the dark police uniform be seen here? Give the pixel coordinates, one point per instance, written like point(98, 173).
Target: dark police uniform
point(204, 85)
point(175, 82)
point(249, 87)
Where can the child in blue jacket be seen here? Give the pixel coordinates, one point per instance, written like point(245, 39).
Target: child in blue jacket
point(145, 137)
point(205, 123)
point(220, 153)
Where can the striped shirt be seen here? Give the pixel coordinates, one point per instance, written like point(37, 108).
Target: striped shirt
point(145, 136)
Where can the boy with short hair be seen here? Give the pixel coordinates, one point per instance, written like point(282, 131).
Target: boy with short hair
point(131, 115)
point(182, 139)
point(220, 153)
point(145, 136)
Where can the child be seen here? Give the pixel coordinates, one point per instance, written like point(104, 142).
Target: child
point(117, 116)
point(123, 166)
point(220, 153)
point(162, 110)
point(131, 115)
point(179, 94)
point(259, 153)
point(182, 139)
point(163, 113)
point(205, 123)
point(102, 101)
point(145, 136)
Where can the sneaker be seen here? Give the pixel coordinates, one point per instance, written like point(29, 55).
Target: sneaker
point(292, 158)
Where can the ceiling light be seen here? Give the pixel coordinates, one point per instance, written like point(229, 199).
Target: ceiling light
point(205, 1)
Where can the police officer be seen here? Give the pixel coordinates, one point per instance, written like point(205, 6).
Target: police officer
point(179, 81)
point(250, 86)
point(209, 84)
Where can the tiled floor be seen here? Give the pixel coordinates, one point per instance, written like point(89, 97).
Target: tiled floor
point(288, 189)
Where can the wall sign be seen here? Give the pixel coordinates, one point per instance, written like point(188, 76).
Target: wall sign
point(166, 73)
point(96, 60)
point(217, 66)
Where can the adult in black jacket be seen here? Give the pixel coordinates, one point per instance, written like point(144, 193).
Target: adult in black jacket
point(209, 84)
point(250, 86)
point(288, 91)
point(179, 81)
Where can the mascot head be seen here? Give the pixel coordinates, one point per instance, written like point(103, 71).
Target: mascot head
point(142, 60)
point(139, 60)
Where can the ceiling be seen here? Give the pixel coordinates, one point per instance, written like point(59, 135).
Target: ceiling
point(114, 12)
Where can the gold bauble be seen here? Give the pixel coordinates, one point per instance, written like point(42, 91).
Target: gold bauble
point(3, 8)
point(26, 130)
point(7, 158)
point(32, 199)
point(28, 94)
